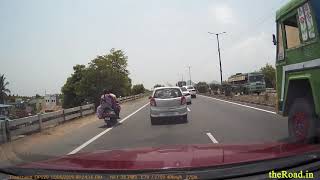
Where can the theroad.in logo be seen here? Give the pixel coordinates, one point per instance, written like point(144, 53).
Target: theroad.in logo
point(290, 175)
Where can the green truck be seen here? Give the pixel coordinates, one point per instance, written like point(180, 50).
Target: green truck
point(247, 83)
point(298, 67)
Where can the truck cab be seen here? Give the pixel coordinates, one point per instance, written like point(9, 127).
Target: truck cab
point(298, 67)
point(256, 83)
point(248, 83)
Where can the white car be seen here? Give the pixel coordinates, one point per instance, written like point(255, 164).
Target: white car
point(186, 93)
point(168, 102)
point(192, 91)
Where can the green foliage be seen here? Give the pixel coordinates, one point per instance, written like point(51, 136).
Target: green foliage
point(3, 88)
point(270, 75)
point(137, 89)
point(87, 83)
point(202, 87)
point(214, 87)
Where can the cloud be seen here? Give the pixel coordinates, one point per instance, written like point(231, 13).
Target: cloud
point(222, 14)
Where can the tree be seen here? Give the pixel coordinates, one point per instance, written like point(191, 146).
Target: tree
point(269, 73)
point(38, 96)
point(137, 89)
point(202, 87)
point(214, 87)
point(69, 89)
point(104, 72)
point(3, 88)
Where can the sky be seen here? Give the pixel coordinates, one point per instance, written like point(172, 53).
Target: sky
point(40, 41)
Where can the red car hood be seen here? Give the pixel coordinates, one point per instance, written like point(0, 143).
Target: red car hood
point(167, 157)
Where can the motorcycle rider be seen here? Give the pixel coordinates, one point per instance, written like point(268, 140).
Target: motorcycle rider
point(116, 105)
point(109, 101)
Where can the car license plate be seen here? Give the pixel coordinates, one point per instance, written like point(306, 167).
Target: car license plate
point(107, 118)
point(171, 113)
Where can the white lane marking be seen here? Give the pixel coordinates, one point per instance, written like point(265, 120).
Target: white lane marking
point(272, 112)
point(188, 109)
point(103, 132)
point(212, 138)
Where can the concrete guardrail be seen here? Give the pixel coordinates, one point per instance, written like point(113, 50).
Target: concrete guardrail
point(28, 125)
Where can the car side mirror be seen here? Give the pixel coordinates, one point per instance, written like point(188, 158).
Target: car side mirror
point(274, 39)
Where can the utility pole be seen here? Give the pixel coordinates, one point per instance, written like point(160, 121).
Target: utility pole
point(217, 34)
point(190, 75)
point(219, 58)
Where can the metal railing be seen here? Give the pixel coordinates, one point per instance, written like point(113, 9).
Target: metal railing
point(10, 129)
point(130, 98)
point(270, 90)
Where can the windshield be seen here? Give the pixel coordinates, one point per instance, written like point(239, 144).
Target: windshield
point(183, 89)
point(99, 85)
point(167, 93)
point(258, 78)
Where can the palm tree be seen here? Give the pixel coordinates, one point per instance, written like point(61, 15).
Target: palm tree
point(3, 88)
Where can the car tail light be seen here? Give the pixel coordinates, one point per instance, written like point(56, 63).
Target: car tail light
point(153, 102)
point(183, 100)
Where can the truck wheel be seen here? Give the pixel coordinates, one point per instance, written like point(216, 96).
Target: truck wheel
point(153, 120)
point(302, 122)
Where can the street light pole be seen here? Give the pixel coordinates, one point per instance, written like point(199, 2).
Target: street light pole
point(217, 34)
point(219, 58)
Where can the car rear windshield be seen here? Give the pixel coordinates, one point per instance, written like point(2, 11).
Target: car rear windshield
point(183, 89)
point(190, 87)
point(167, 93)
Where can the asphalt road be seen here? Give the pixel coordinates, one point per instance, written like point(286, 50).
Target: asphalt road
point(209, 121)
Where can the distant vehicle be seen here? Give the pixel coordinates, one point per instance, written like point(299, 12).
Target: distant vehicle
point(181, 83)
point(297, 68)
point(192, 91)
point(187, 94)
point(248, 83)
point(168, 102)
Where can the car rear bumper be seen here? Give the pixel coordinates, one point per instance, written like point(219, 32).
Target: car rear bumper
point(166, 112)
point(188, 98)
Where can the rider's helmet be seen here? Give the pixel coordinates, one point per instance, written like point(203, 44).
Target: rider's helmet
point(106, 91)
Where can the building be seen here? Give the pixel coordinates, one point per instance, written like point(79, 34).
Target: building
point(51, 102)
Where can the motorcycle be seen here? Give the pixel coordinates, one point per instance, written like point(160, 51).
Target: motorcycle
point(109, 116)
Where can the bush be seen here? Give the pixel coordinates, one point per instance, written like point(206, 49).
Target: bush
point(202, 87)
point(137, 89)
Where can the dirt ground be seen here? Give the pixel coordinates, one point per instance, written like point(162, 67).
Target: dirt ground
point(8, 153)
point(267, 99)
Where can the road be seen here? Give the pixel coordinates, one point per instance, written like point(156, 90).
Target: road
point(209, 121)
